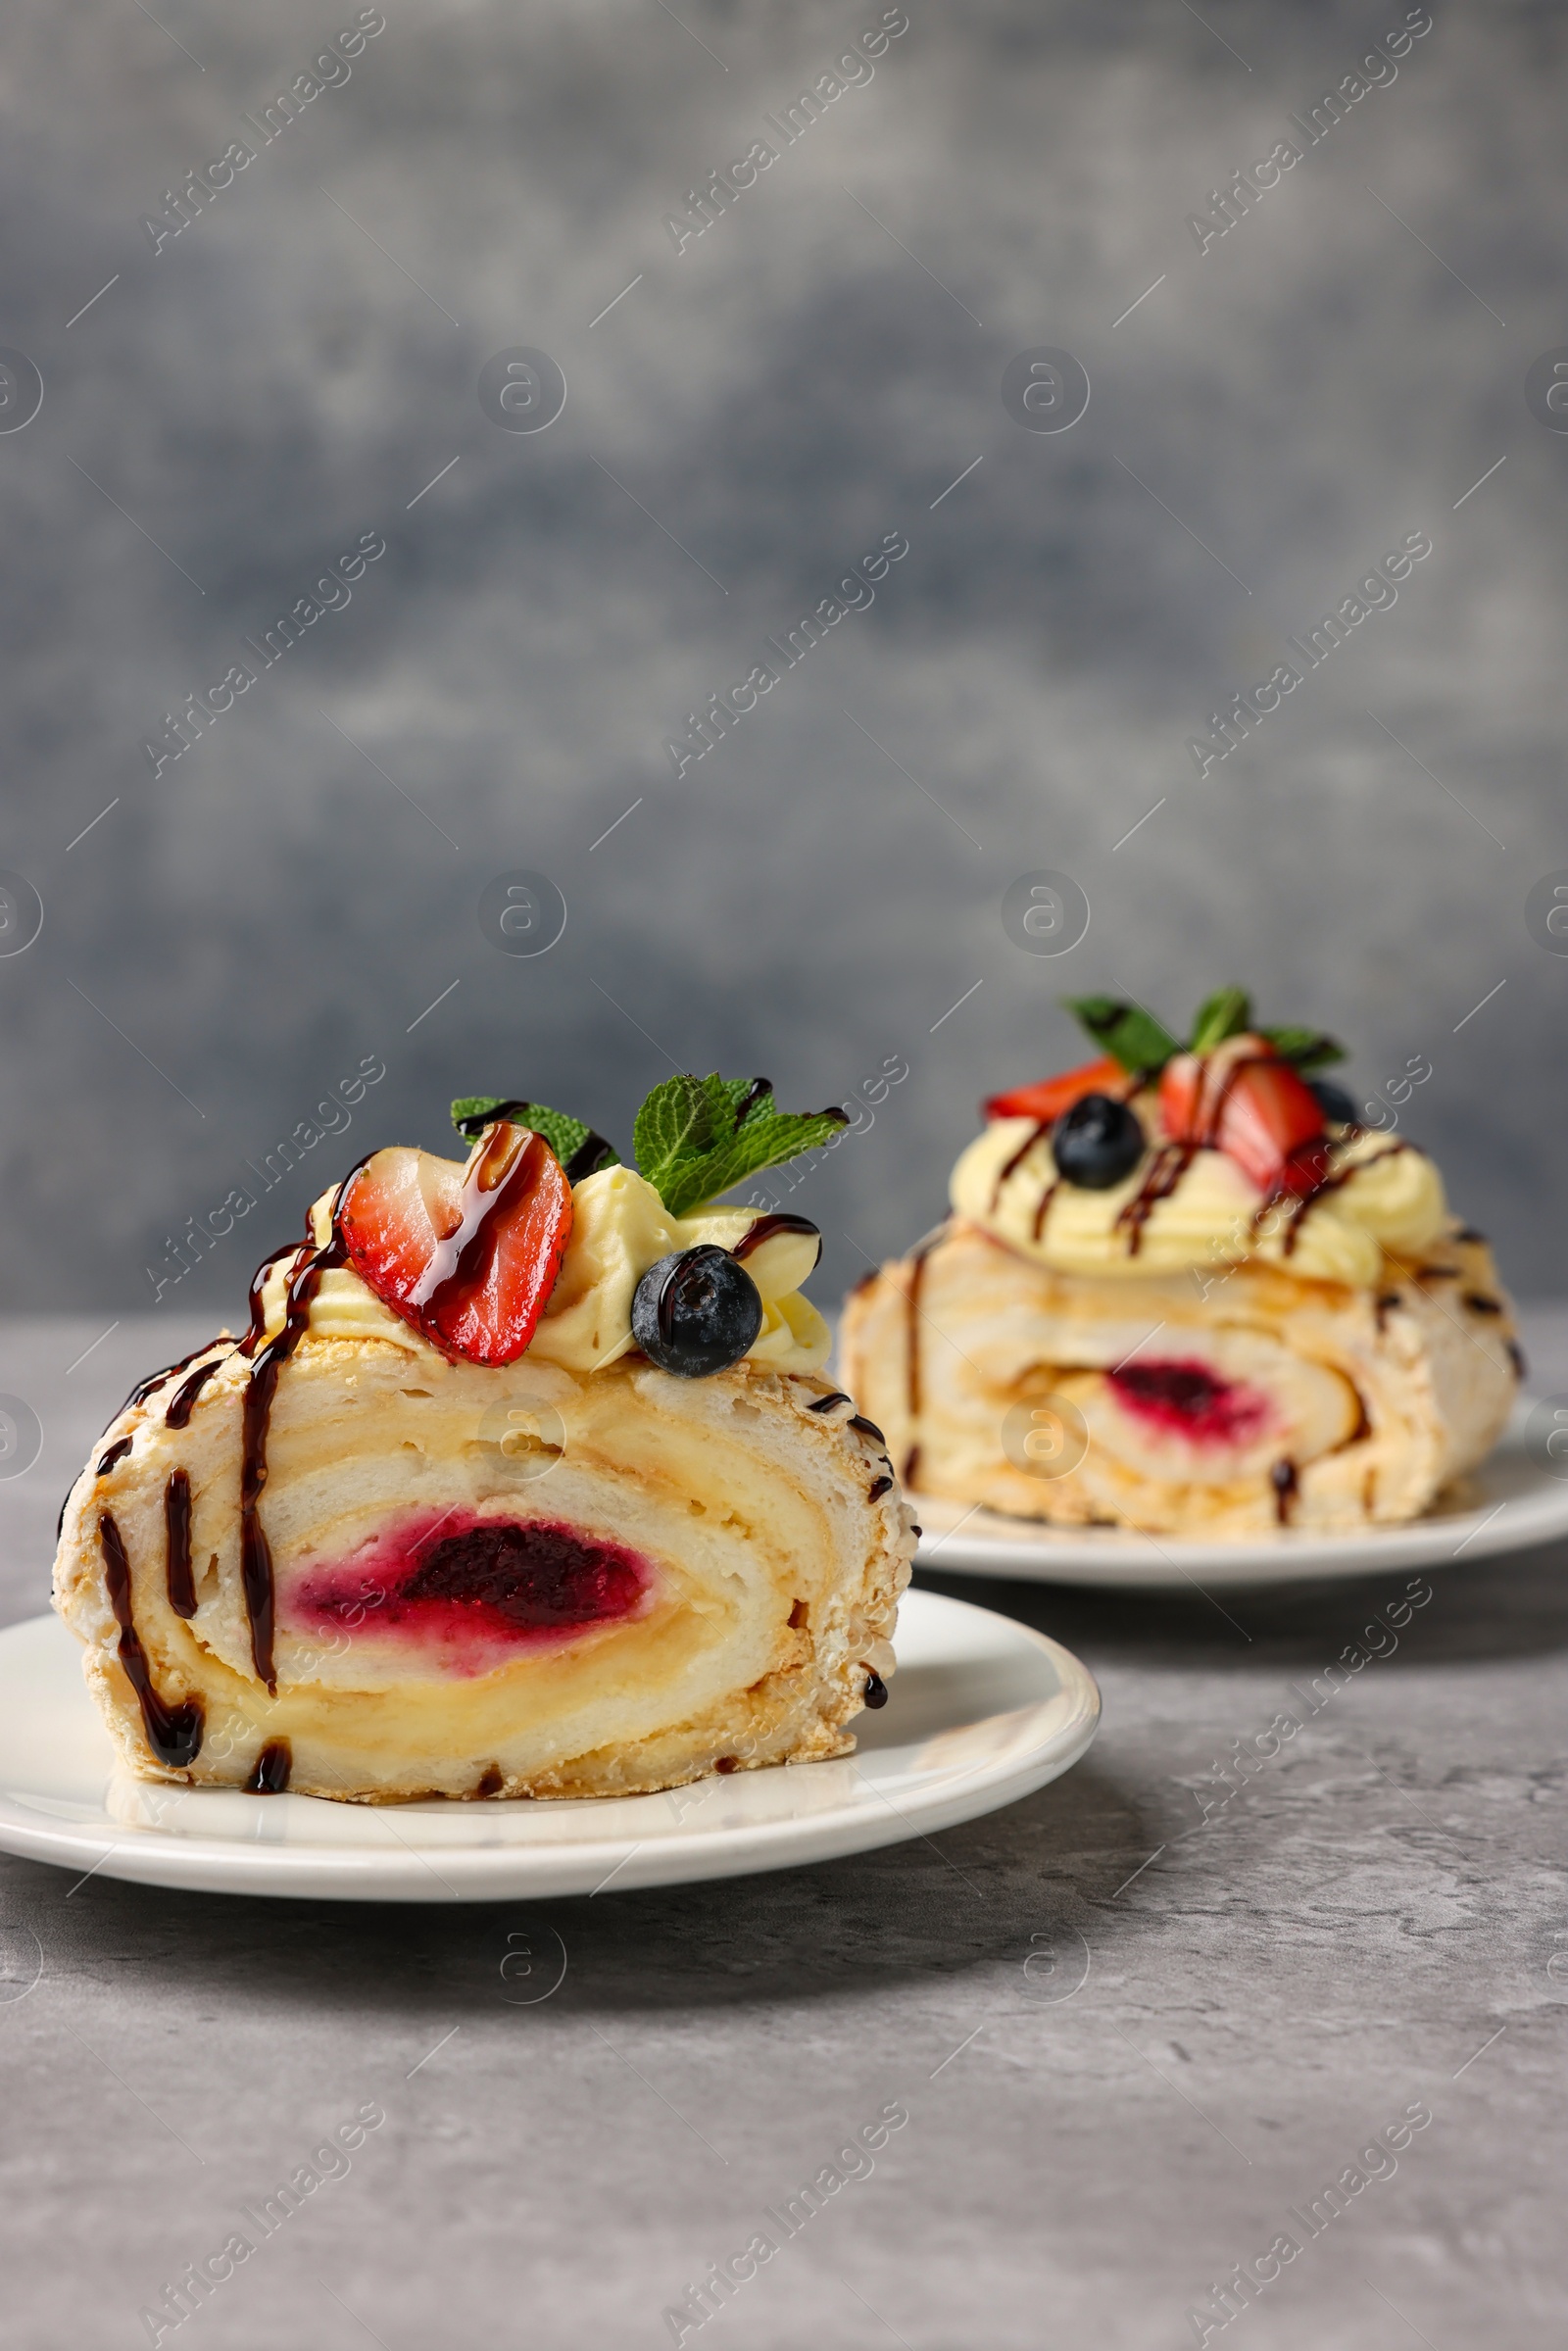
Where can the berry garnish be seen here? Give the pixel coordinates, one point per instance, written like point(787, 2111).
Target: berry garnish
point(1334, 1103)
point(467, 1255)
point(1271, 1124)
point(1048, 1097)
point(696, 1312)
point(1097, 1142)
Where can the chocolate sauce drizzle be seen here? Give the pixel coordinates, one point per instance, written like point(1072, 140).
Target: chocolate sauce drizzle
point(173, 1733)
point(1168, 1164)
point(255, 1552)
point(182, 1403)
point(257, 1329)
point(116, 1453)
point(878, 1488)
point(876, 1690)
point(1041, 1128)
point(1044, 1210)
point(868, 1428)
point(1308, 1199)
point(825, 1403)
point(144, 1388)
point(767, 1228)
point(177, 1574)
point(273, 1767)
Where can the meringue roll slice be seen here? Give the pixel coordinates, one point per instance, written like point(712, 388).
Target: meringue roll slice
point(438, 1526)
point(1206, 1302)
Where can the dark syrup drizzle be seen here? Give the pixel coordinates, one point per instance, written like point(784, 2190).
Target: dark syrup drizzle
point(255, 1552)
point(461, 1262)
point(273, 1767)
point(116, 1453)
point(825, 1403)
point(767, 1228)
point(182, 1403)
point(1168, 1164)
point(876, 1690)
point(868, 1428)
point(173, 1733)
point(879, 1486)
point(177, 1575)
point(1282, 1477)
point(144, 1388)
point(256, 1326)
point(591, 1154)
point(1041, 1128)
point(1308, 1199)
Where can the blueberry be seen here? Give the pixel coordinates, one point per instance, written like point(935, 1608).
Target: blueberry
point(696, 1312)
point(1097, 1142)
point(1334, 1103)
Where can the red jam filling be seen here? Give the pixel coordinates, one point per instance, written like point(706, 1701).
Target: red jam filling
point(490, 1586)
point(1190, 1401)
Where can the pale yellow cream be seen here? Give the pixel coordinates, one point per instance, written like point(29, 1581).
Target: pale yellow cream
point(1394, 1201)
point(620, 1227)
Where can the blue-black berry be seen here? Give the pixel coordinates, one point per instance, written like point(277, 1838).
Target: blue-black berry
point(1097, 1142)
point(696, 1312)
point(1334, 1103)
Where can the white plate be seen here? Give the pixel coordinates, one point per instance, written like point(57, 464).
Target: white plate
point(1507, 1504)
point(981, 1711)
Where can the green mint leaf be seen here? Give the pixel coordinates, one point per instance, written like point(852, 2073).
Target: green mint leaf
point(578, 1149)
point(765, 1142)
point(1306, 1047)
point(1129, 1034)
point(676, 1123)
point(698, 1136)
point(1225, 1014)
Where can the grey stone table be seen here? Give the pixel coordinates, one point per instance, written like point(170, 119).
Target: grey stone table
point(1138, 2028)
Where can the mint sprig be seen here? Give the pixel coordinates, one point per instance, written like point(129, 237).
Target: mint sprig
point(1305, 1047)
point(1142, 1045)
point(568, 1138)
point(1129, 1034)
point(1223, 1015)
point(697, 1137)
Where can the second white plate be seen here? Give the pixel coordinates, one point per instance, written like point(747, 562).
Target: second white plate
point(1508, 1505)
point(981, 1711)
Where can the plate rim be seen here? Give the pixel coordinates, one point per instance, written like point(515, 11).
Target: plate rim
point(1066, 1555)
point(201, 1864)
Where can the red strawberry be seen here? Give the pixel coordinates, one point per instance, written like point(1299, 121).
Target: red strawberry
point(1181, 1087)
point(1047, 1098)
point(1243, 1100)
point(468, 1255)
point(1271, 1124)
point(1193, 1086)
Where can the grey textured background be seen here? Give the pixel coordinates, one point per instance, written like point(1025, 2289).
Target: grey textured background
point(791, 386)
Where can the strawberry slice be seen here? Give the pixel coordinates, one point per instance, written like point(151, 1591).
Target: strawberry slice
point(1181, 1089)
point(1243, 1100)
point(1271, 1124)
point(467, 1255)
point(1048, 1097)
